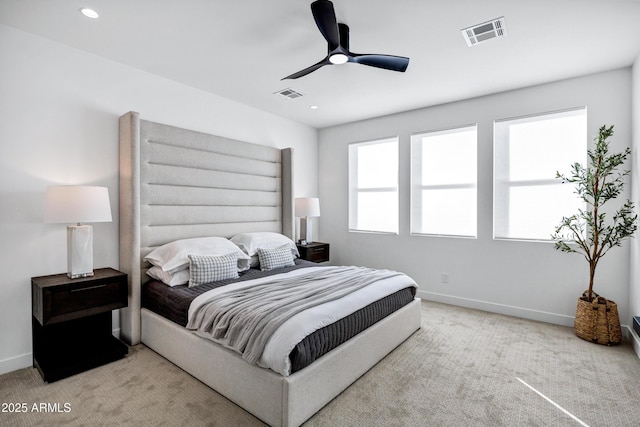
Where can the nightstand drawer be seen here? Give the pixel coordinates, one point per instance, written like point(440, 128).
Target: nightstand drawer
point(77, 298)
point(316, 254)
point(76, 302)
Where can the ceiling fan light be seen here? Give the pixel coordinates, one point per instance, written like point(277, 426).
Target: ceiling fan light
point(338, 58)
point(89, 13)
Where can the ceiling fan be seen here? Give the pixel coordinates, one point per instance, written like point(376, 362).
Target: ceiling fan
point(337, 36)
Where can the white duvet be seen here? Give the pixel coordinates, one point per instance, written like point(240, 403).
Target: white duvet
point(294, 330)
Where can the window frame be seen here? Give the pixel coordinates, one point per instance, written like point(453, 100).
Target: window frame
point(502, 183)
point(354, 190)
point(417, 189)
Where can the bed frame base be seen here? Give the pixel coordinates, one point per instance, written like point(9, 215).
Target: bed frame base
point(278, 400)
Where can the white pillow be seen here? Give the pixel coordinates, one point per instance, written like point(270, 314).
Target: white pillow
point(172, 279)
point(211, 268)
point(251, 242)
point(173, 256)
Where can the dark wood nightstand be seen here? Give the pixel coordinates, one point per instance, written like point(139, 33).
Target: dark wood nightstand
point(71, 322)
point(316, 251)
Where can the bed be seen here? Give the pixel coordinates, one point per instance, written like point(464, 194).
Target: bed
point(179, 184)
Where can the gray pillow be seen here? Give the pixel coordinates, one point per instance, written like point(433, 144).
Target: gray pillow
point(212, 268)
point(279, 257)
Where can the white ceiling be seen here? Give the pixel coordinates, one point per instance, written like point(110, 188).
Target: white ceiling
point(240, 49)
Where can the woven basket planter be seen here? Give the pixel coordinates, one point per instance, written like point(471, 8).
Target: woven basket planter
point(598, 321)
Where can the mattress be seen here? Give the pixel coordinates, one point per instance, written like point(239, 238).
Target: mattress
point(173, 303)
point(326, 339)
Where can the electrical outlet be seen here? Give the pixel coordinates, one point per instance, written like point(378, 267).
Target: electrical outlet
point(444, 278)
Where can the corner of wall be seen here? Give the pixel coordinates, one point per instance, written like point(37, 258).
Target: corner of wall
point(634, 274)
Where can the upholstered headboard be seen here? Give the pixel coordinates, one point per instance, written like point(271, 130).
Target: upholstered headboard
point(177, 183)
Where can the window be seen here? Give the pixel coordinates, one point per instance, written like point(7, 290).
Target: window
point(529, 201)
point(373, 186)
point(443, 182)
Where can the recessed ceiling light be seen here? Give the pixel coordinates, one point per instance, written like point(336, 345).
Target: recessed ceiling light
point(313, 107)
point(89, 13)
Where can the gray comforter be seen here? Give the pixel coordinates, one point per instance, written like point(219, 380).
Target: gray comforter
point(244, 319)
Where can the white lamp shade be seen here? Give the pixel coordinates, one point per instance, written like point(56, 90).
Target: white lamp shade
point(77, 204)
point(307, 207)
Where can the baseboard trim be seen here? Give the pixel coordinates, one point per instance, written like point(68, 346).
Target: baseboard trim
point(14, 363)
point(525, 313)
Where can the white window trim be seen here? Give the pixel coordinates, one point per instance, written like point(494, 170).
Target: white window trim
point(416, 191)
point(524, 183)
point(354, 190)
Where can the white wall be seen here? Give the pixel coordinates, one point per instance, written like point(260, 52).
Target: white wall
point(59, 110)
point(634, 283)
point(526, 279)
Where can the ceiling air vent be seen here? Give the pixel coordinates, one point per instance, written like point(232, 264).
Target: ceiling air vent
point(289, 93)
point(485, 31)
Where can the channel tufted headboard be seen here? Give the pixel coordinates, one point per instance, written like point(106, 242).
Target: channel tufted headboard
point(177, 184)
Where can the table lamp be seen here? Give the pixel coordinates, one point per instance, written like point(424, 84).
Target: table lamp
point(78, 204)
point(306, 209)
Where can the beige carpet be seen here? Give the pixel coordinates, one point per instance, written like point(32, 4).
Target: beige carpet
point(460, 369)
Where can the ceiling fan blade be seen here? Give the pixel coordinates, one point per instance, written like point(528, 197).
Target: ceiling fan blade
point(308, 70)
point(325, 17)
point(343, 29)
point(388, 62)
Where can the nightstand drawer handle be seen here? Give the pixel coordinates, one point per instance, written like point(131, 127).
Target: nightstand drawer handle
point(89, 288)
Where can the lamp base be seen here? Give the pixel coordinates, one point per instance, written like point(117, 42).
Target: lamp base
point(80, 275)
point(306, 229)
point(79, 251)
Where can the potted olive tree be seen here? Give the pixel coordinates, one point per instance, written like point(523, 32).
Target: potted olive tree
point(592, 233)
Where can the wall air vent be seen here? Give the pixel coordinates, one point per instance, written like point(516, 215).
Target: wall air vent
point(485, 31)
point(288, 93)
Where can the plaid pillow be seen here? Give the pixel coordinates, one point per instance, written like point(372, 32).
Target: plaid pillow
point(212, 268)
point(275, 258)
